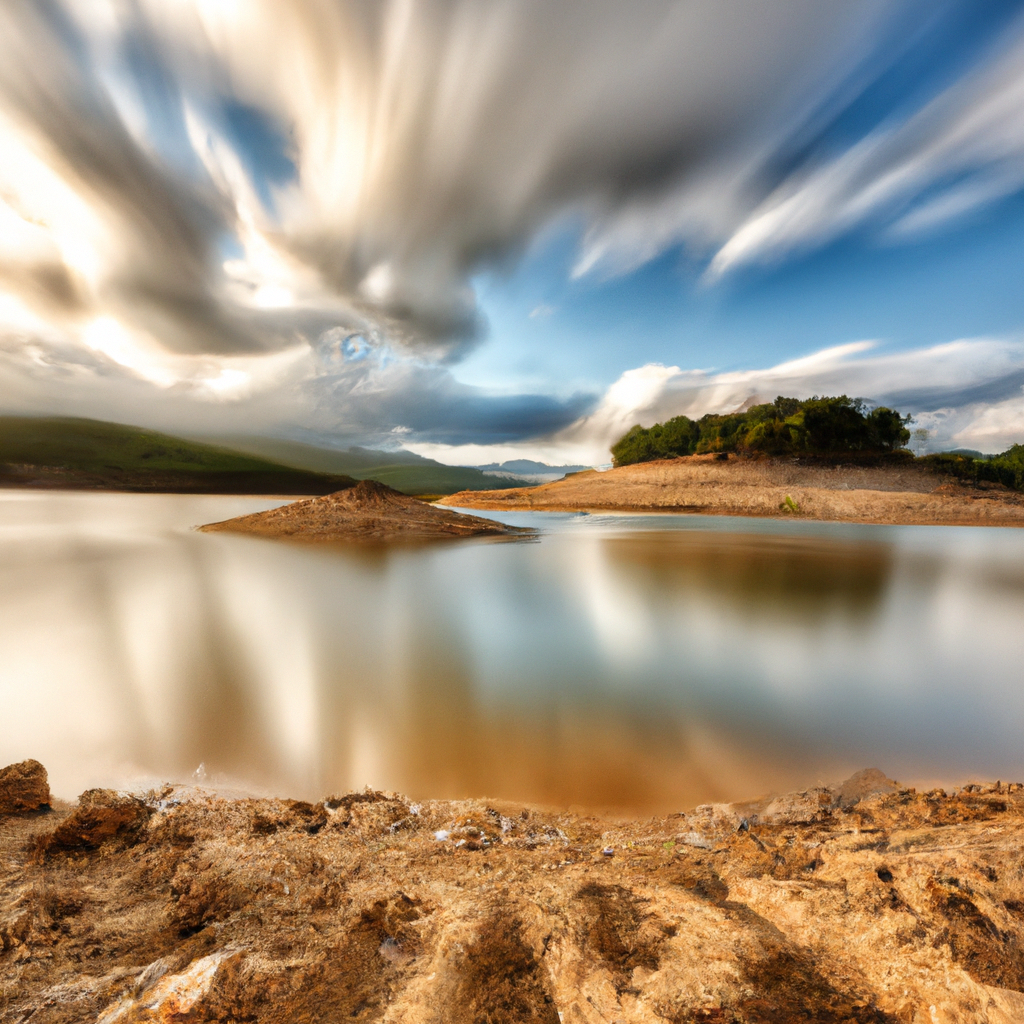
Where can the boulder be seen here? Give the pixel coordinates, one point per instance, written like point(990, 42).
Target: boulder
point(101, 816)
point(861, 785)
point(24, 788)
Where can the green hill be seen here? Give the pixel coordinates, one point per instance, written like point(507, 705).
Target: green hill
point(402, 470)
point(82, 453)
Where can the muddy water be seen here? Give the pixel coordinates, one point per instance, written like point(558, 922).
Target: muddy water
point(635, 662)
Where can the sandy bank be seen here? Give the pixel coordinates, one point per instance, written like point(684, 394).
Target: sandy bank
point(865, 902)
point(743, 487)
point(370, 511)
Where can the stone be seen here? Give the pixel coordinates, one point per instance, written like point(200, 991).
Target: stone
point(24, 788)
point(862, 784)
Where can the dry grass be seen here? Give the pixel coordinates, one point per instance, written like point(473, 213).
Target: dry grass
point(705, 484)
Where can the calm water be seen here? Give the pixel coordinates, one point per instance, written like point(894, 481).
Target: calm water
point(630, 661)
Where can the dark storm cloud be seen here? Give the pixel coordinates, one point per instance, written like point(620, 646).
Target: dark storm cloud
point(409, 401)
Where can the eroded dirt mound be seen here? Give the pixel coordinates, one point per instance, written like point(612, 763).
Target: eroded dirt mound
point(369, 511)
point(24, 787)
point(866, 902)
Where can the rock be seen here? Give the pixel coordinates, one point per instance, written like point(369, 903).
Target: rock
point(872, 914)
point(101, 816)
point(862, 784)
point(24, 788)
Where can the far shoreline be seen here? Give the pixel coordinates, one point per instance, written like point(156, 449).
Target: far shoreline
point(769, 489)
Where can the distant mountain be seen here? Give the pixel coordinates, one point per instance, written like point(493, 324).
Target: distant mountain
point(528, 471)
point(402, 470)
point(969, 453)
point(64, 452)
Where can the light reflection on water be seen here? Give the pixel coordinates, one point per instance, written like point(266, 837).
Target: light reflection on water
point(638, 662)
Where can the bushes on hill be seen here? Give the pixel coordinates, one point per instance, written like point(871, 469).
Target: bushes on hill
point(788, 426)
point(1006, 468)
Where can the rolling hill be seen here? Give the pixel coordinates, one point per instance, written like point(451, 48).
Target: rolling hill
point(65, 452)
point(402, 470)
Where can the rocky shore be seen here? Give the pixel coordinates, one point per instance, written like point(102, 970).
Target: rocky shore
point(865, 902)
point(717, 485)
point(369, 511)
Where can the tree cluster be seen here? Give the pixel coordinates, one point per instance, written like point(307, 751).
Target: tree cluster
point(815, 427)
point(1007, 468)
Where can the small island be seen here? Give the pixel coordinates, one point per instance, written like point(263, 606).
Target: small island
point(367, 511)
point(827, 458)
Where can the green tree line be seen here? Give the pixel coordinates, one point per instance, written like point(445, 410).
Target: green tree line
point(788, 426)
point(1007, 468)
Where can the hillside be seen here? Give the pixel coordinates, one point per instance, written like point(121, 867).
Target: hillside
point(729, 485)
point(63, 452)
point(402, 470)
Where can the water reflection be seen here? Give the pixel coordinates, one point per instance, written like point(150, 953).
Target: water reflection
point(805, 579)
point(608, 664)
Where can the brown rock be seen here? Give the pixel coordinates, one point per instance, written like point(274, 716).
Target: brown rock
point(862, 784)
point(102, 815)
point(23, 788)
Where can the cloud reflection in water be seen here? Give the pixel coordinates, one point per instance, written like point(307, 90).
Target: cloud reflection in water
point(601, 666)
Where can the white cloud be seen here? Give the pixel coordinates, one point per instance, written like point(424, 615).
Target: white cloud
point(311, 263)
point(954, 390)
point(956, 153)
point(413, 143)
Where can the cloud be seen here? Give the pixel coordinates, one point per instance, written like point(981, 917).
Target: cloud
point(967, 393)
point(196, 197)
point(361, 161)
point(337, 390)
point(906, 172)
point(960, 152)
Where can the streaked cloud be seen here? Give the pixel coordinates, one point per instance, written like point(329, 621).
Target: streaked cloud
point(967, 393)
point(220, 211)
point(359, 161)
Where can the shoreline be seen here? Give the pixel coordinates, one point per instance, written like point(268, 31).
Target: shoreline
point(685, 510)
point(865, 902)
point(704, 485)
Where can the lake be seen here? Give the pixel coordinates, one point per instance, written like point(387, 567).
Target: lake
point(633, 662)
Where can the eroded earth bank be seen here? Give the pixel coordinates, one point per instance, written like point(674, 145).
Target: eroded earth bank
point(867, 902)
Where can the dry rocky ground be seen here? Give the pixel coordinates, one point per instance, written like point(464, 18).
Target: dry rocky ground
point(866, 903)
point(737, 486)
point(369, 511)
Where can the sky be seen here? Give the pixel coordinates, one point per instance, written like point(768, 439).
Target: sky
point(497, 229)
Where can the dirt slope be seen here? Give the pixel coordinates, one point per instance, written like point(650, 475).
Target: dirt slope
point(861, 903)
point(734, 486)
point(370, 511)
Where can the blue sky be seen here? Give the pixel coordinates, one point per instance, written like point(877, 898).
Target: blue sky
point(488, 231)
point(963, 281)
